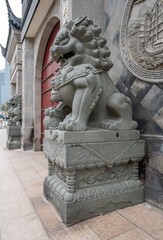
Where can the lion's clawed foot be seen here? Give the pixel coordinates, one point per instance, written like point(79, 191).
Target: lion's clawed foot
point(76, 125)
point(105, 124)
point(119, 124)
point(62, 125)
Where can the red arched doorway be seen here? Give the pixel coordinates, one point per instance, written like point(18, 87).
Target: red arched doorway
point(48, 72)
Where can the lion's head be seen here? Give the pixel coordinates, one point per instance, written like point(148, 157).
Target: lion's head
point(78, 42)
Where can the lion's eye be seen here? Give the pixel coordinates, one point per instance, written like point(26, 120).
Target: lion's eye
point(64, 41)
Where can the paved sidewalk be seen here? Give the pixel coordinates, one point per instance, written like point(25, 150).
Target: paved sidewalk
point(26, 215)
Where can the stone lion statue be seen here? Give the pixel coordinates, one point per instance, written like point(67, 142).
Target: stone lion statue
point(15, 110)
point(82, 86)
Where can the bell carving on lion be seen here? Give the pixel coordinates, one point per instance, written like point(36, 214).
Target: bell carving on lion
point(83, 86)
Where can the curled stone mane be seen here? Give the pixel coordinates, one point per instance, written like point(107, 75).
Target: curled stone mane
point(18, 99)
point(94, 44)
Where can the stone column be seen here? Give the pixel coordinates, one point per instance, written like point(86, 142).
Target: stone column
point(13, 89)
point(27, 94)
point(19, 69)
point(19, 82)
point(94, 9)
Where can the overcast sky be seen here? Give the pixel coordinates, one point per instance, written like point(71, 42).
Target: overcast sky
point(16, 7)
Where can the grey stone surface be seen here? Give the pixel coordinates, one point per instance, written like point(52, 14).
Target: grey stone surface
point(159, 117)
point(154, 170)
point(140, 89)
point(27, 140)
point(89, 178)
point(14, 131)
point(82, 210)
point(27, 93)
point(14, 137)
point(91, 136)
point(82, 8)
point(154, 186)
point(153, 100)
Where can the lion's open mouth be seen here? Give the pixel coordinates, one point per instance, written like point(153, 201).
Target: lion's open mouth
point(65, 57)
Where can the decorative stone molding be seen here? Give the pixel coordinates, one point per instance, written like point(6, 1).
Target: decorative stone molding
point(86, 194)
point(14, 137)
point(95, 175)
point(141, 39)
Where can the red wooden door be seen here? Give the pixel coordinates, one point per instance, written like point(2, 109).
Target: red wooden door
point(49, 69)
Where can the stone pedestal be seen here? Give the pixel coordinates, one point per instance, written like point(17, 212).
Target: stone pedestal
point(92, 172)
point(14, 137)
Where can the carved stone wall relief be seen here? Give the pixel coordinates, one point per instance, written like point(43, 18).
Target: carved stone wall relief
point(104, 175)
point(142, 39)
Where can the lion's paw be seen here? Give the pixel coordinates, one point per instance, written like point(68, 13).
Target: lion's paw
point(121, 124)
point(105, 124)
point(62, 126)
point(76, 126)
point(115, 125)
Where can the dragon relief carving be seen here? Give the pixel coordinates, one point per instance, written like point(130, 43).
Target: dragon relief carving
point(82, 86)
point(15, 110)
point(106, 175)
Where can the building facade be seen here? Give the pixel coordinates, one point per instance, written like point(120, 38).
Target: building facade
point(2, 84)
point(39, 24)
point(13, 52)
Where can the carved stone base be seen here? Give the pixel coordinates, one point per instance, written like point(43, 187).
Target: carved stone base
point(14, 137)
point(92, 172)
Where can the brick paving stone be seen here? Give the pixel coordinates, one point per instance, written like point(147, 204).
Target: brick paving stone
point(33, 189)
point(9, 183)
point(25, 228)
point(79, 231)
point(26, 214)
point(134, 234)
point(47, 213)
point(14, 205)
point(110, 225)
point(146, 217)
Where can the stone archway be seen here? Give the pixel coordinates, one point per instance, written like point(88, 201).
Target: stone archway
point(38, 76)
point(49, 70)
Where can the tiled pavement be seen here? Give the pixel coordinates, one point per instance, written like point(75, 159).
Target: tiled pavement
point(26, 215)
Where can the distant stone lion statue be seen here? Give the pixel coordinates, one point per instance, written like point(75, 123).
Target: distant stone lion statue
point(15, 110)
point(83, 86)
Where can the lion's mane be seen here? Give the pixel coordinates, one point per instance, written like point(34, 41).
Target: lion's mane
point(94, 44)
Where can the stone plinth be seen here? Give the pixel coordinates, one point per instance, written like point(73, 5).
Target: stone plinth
point(14, 137)
point(92, 172)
